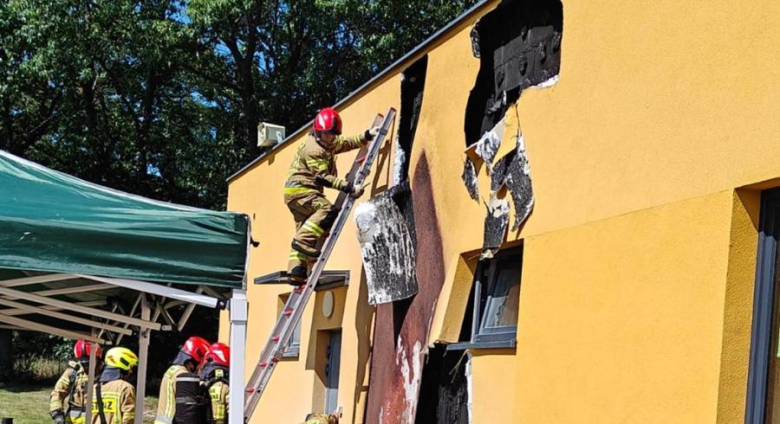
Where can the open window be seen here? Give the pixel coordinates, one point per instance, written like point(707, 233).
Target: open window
point(493, 307)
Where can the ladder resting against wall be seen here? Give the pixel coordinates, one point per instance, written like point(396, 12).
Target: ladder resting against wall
point(296, 302)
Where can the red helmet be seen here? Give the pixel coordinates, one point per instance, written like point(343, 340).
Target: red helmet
point(219, 353)
point(328, 120)
point(82, 350)
point(196, 347)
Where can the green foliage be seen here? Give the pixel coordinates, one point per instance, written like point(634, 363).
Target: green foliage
point(162, 97)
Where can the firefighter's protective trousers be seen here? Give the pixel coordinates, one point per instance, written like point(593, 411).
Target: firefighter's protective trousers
point(314, 168)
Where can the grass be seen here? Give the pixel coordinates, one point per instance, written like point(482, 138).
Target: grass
point(29, 404)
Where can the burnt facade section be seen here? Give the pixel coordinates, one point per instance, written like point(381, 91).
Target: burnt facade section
point(519, 46)
point(412, 88)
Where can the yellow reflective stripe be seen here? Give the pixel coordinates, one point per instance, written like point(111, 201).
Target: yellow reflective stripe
point(298, 190)
point(313, 228)
point(320, 164)
point(296, 255)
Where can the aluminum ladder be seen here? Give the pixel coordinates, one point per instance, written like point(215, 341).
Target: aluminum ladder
point(296, 302)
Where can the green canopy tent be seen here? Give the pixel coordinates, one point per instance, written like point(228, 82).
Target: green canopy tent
point(80, 260)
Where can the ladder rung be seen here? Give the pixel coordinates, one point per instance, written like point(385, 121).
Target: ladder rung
point(288, 312)
point(361, 159)
point(275, 339)
point(263, 364)
point(250, 390)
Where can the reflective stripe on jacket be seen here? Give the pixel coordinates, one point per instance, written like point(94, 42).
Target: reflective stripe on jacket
point(219, 393)
point(166, 407)
point(314, 166)
point(72, 385)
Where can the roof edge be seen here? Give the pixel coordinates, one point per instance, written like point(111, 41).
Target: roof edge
point(408, 57)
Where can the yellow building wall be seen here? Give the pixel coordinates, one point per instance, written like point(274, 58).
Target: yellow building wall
point(639, 257)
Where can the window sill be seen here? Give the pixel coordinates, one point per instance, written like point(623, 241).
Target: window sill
point(291, 353)
point(500, 344)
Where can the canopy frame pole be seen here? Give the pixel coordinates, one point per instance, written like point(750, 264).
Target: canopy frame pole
point(238, 319)
point(62, 316)
point(34, 326)
point(91, 379)
point(159, 290)
point(143, 356)
point(76, 308)
point(17, 312)
point(185, 316)
point(38, 279)
point(132, 313)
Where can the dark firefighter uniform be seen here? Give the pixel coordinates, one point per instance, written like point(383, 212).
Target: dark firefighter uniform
point(180, 400)
point(312, 169)
point(73, 386)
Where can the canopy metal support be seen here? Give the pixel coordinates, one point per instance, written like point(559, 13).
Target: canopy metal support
point(17, 312)
point(76, 308)
point(62, 316)
point(30, 325)
point(143, 356)
point(38, 279)
point(159, 290)
point(91, 379)
point(239, 309)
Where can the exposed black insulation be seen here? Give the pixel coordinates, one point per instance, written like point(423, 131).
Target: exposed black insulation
point(518, 180)
point(519, 45)
point(501, 170)
point(387, 249)
point(412, 88)
point(496, 223)
point(469, 177)
point(444, 395)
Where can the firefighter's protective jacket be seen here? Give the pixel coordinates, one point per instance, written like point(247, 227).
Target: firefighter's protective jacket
point(219, 393)
point(73, 386)
point(166, 407)
point(314, 167)
point(118, 402)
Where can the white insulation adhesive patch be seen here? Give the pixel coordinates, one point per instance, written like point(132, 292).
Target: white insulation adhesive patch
point(387, 250)
point(487, 146)
point(411, 372)
point(469, 387)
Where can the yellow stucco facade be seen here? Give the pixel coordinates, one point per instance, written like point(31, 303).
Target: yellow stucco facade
point(647, 157)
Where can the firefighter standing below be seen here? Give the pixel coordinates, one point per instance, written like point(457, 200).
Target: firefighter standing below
point(73, 385)
point(113, 400)
point(215, 380)
point(180, 393)
point(312, 169)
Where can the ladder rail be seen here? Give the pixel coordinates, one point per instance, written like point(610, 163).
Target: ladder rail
point(299, 297)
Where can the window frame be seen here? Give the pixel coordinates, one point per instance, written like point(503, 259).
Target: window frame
point(293, 347)
point(762, 340)
point(482, 294)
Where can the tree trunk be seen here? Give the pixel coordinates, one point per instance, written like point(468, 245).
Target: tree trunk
point(6, 354)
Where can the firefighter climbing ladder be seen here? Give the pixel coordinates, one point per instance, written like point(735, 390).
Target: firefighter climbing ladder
point(296, 302)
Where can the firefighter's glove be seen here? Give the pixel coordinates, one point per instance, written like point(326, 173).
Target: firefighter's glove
point(353, 190)
point(58, 417)
point(371, 133)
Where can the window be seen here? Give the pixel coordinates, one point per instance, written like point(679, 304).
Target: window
point(293, 348)
point(763, 395)
point(492, 311)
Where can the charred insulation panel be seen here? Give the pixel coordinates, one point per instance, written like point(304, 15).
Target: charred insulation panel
point(402, 328)
point(513, 171)
point(388, 250)
point(519, 46)
point(444, 395)
point(412, 87)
